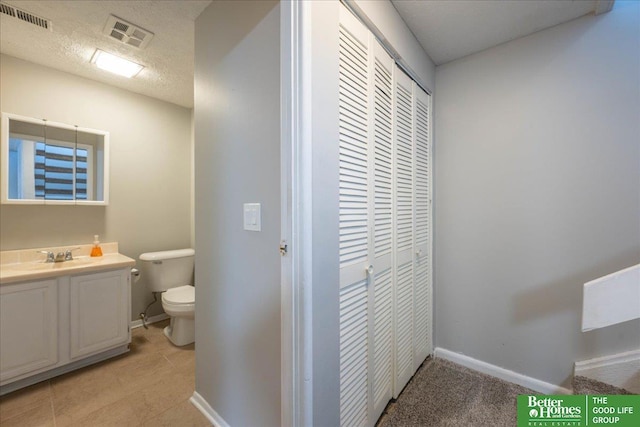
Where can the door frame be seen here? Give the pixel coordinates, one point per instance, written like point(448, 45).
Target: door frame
point(296, 202)
point(295, 177)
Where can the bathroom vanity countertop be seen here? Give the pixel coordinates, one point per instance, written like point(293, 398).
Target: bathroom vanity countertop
point(19, 266)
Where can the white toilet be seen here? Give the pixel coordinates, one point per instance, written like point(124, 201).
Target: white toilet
point(171, 272)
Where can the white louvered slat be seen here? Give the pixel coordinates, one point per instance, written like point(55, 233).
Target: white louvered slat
point(353, 355)
point(422, 307)
point(404, 169)
point(383, 134)
point(353, 149)
point(422, 173)
point(382, 379)
point(404, 330)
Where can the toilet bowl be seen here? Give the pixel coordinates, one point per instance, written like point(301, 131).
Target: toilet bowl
point(179, 304)
point(171, 273)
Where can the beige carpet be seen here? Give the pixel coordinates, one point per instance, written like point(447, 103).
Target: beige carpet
point(443, 393)
point(584, 385)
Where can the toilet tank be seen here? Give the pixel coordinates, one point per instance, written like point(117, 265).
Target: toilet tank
point(167, 269)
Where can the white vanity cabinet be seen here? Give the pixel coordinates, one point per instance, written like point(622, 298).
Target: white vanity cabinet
point(99, 312)
point(28, 327)
point(52, 326)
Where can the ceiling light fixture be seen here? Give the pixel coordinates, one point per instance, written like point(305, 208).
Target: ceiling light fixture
point(115, 64)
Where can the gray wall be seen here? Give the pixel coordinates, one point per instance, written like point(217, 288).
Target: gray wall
point(150, 194)
point(237, 160)
point(537, 191)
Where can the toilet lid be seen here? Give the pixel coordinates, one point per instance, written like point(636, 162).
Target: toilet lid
point(180, 295)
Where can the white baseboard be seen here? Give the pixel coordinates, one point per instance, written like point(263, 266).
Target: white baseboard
point(153, 319)
point(202, 405)
point(498, 372)
point(620, 370)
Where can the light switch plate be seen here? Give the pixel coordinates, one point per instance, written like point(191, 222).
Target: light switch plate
point(252, 220)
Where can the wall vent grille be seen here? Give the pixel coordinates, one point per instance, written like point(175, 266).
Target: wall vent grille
point(127, 33)
point(7, 10)
point(25, 16)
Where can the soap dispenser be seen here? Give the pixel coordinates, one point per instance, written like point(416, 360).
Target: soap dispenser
point(96, 250)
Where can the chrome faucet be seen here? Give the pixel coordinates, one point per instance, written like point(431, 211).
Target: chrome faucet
point(68, 254)
point(60, 256)
point(51, 257)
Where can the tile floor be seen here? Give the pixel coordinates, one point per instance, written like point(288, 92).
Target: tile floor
point(149, 386)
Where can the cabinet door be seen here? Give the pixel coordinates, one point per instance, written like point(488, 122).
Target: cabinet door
point(28, 327)
point(99, 312)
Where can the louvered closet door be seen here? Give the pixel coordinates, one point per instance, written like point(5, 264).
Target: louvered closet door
point(366, 224)
point(404, 229)
point(354, 145)
point(384, 191)
point(422, 202)
point(381, 292)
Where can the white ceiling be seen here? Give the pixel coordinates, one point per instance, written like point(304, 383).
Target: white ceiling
point(447, 30)
point(77, 32)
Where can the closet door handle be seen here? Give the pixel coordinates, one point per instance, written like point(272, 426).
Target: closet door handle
point(369, 270)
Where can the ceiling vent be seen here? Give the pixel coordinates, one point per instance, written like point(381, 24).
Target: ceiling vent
point(25, 16)
point(127, 33)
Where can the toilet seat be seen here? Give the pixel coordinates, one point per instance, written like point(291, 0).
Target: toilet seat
point(179, 301)
point(180, 295)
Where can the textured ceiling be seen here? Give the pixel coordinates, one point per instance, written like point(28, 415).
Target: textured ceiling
point(77, 32)
point(448, 30)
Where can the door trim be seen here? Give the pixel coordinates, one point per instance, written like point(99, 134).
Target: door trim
point(295, 177)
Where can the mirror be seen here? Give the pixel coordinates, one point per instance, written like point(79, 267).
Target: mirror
point(45, 162)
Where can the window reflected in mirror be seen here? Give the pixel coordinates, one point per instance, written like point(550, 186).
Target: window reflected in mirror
point(53, 162)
